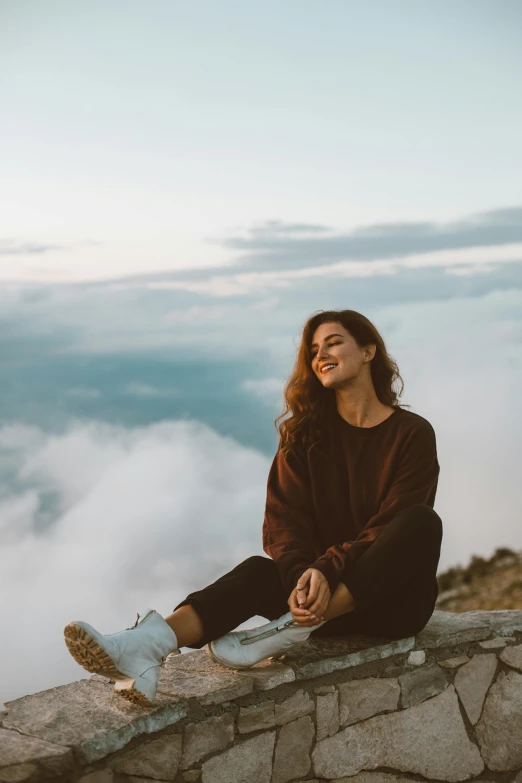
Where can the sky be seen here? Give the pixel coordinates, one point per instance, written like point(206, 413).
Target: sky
point(183, 185)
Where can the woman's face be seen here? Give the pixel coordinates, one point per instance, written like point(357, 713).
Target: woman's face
point(332, 344)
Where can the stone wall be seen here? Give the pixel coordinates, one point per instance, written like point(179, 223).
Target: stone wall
point(444, 705)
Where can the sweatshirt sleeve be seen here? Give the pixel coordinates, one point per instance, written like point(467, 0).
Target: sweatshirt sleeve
point(415, 481)
point(288, 526)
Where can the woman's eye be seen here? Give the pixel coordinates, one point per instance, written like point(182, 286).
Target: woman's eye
point(329, 346)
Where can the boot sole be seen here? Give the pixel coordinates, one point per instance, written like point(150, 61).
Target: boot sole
point(89, 654)
point(127, 690)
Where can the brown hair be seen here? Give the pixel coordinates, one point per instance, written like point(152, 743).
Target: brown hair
point(306, 398)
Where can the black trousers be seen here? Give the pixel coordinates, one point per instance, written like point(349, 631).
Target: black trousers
point(393, 583)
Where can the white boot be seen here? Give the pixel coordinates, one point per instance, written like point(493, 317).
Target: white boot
point(132, 657)
point(242, 649)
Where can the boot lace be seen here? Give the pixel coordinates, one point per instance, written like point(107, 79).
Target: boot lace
point(135, 624)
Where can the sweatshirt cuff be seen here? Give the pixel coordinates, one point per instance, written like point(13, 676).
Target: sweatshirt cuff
point(327, 568)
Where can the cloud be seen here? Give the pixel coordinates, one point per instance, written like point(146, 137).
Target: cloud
point(102, 521)
point(277, 246)
point(9, 248)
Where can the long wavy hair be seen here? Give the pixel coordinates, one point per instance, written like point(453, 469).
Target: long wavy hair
point(309, 401)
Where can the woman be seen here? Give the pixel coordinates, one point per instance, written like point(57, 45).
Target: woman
point(349, 527)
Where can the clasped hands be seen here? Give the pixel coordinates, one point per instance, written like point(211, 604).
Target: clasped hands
point(309, 599)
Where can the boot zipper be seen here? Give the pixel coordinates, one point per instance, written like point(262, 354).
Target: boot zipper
point(266, 633)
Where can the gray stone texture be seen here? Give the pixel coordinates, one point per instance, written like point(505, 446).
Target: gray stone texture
point(421, 684)
point(503, 622)
point(417, 657)
point(496, 643)
point(100, 776)
point(513, 657)
point(362, 699)
point(499, 730)
point(445, 629)
point(373, 777)
point(206, 737)
point(255, 717)
point(472, 682)
point(454, 663)
point(207, 688)
point(295, 706)
point(192, 776)
point(292, 754)
point(21, 757)
point(264, 675)
point(323, 655)
point(327, 714)
point(429, 739)
point(247, 762)
point(88, 717)
point(158, 759)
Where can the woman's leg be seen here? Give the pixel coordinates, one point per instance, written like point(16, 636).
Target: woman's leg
point(393, 584)
point(251, 588)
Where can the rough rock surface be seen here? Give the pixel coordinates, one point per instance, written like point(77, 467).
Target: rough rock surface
point(295, 706)
point(158, 759)
point(21, 756)
point(205, 737)
point(446, 628)
point(292, 753)
point(362, 699)
point(472, 682)
point(498, 730)
point(513, 657)
point(421, 684)
point(255, 717)
point(244, 763)
point(327, 714)
point(88, 717)
point(429, 739)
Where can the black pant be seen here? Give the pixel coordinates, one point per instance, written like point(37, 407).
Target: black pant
point(393, 583)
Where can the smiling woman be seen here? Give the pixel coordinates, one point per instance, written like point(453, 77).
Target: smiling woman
point(350, 530)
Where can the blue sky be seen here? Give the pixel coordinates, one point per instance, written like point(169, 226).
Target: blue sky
point(183, 185)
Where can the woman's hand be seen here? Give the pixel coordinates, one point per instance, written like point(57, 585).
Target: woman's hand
point(309, 599)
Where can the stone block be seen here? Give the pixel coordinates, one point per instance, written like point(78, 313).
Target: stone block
point(292, 754)
point(158, 759)
point(428, 739)
point(265, 674)
point(242, 763)
point(417, 658)
point(100, 776)
point(255, 717)
point(207, 687)
point(453, 663)
point(361, 699)
point(21, 757)
point(496, 643)
point(502, 622)
point(323, 655)
point(89, 718)
point(324, 689)
point(295, 706)
point(421, 684)
point(513, 657)
point(499, 730)
point(445, 629)
point(327, 714)
point(373, 777)
point(472, 682)
point(192, 776)
point(206, 737)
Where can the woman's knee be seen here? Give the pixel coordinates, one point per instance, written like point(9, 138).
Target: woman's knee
point(421, 521)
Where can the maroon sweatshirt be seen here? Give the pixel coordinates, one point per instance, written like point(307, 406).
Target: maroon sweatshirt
point(325, 509)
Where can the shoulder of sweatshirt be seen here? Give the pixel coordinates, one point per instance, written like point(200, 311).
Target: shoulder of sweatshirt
point(413, 421)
